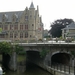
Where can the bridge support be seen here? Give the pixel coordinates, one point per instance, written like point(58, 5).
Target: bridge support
point(13, 62)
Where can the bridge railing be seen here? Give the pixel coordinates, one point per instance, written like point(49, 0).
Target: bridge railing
point(63, 68)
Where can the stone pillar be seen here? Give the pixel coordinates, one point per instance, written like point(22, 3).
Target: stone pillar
point(13, 62)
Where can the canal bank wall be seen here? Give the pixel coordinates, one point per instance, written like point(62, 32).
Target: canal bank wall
point(53, 71)
point(57, 72)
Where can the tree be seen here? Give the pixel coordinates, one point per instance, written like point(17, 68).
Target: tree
point(19, 49)
point(5, 47)
point(57, 25)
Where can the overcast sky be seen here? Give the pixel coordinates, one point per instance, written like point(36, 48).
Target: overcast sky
point(50, 10)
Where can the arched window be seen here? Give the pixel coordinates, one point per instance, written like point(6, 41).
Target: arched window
point(11, 35)
point(11, 27)
point(15, 35)
point(21, 27)
point(21, 35)
point(26, 34)
point(16, 27)
point(26, 27)
point(26, 17)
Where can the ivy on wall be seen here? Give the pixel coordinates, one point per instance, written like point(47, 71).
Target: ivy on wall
point(44, 52)
point(73, 53)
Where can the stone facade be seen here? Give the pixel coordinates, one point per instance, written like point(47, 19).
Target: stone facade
point(21, 25)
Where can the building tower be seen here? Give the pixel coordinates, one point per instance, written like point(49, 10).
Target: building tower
point(21, 25)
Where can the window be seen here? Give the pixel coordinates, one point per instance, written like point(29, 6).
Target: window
point(21, 27)
point(11, 27)
point(6, 27)
point(15, 35)
point(11, 35)
point(26, 26)
point(16, 27)
point(21, 35)
point(26, 17)
point(32, 24)
point(2, 36)
point(30, 35)
point(64, 31)
point(26, 35)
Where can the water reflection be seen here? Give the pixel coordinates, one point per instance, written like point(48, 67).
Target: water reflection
point(31, 70)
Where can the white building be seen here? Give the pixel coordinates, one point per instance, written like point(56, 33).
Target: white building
point(69, 31)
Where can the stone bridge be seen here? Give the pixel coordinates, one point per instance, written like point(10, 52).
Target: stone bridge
point(54, 53)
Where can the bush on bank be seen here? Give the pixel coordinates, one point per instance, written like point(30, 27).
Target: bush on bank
point(7, 48)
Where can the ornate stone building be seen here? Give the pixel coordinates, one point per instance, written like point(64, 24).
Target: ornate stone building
point(21, 25)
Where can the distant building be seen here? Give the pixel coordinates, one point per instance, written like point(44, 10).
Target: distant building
point(69, 31)
point(45, 33)
point(21, 25)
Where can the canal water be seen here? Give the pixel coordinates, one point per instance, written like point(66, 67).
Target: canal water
point(31, 69)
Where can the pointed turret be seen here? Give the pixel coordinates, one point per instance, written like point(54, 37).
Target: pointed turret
point(32, 5)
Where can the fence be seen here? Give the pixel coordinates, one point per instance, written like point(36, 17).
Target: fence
point(63, 68)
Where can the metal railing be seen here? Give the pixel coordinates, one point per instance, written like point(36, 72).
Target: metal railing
point(63, 68)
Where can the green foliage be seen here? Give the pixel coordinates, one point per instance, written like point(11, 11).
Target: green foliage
point(22, 52)
point(43, 52)
point(57, 25)
point(18, 49)
point(73, 53)
point(5, 47)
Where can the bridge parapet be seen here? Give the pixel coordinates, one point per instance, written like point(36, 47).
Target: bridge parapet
point(68, 45)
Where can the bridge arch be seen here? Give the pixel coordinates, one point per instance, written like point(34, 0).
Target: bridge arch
point(32, 55)
point(61, 58)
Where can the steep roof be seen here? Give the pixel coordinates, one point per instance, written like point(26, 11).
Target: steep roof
point(32, 5)
point(70, 26)
point(10, 14)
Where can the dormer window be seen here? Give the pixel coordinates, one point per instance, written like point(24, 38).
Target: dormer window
point(4, 18)
point(26, 17)
point(15, 17)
